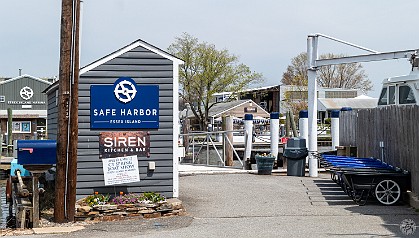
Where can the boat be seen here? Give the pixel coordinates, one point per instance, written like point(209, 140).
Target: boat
point(401, 90)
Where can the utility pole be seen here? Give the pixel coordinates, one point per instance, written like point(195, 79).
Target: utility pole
point(74, 108)
point(63, 108)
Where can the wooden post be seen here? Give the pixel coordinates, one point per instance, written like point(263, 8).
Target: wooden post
point(228, 126)
point(63, 108)
point(1, 142)
point(74, 110)
point(35, 199)
point(9, 131)
point(287, 124)
point(292, 123)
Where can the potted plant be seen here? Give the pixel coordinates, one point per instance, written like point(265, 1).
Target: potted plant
point(265, 163)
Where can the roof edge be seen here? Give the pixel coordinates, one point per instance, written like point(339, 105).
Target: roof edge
point(25, 76)
point(127, 48)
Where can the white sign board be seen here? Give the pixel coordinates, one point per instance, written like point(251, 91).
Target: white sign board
point(121, 170)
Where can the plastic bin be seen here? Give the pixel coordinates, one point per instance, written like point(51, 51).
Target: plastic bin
point(296, 153)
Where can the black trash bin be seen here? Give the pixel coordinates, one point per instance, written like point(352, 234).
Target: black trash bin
point(296, 153)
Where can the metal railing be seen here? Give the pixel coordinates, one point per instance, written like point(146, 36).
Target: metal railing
point(210, 148)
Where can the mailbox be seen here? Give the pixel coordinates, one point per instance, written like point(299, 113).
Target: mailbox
point(35, 152)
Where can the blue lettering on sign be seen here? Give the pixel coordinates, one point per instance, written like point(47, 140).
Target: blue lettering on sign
point(124, 105)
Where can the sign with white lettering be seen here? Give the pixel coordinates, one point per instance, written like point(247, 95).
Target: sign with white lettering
point(124, 105)
point(121, 170)
point(118, 144)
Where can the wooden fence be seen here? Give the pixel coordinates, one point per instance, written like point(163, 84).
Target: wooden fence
point(397, 127)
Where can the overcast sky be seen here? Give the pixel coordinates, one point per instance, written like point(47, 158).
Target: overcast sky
point(265, 34)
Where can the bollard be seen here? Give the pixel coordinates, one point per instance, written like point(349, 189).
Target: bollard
point(248, 126)
point(334, 128)
point(303, 125)
point(274, 134)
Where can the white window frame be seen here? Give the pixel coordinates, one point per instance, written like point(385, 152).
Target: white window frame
point(21, 127)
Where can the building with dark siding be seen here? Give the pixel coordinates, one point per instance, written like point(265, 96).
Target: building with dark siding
point(24, 96)
point(146, 66)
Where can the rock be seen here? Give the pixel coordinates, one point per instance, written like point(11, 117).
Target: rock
point(109, 211)
point(93, 213)
point(153, 215)
point(124, 206)
point(151, 205)
point(133, 209)
point(84, 209)
point(165, 208)
point(120, 213)
point(148, 211)
point(176, 203)
point(133, 215)
point(110, 218)
point(105, 207)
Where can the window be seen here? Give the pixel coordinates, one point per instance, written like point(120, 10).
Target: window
point(383, 97)
point(2, 98)
point(21, 127)
point(391, 95)
point(406, 95)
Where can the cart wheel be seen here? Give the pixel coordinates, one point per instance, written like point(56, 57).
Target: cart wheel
point(387, 192)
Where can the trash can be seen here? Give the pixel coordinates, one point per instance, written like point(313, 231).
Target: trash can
point(296, 153)
point(265, 164)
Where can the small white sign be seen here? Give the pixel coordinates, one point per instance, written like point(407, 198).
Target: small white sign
point(121, 170)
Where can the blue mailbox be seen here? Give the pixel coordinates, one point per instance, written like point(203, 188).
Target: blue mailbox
point(35, 152)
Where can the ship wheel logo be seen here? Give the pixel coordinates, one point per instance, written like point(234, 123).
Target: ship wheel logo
point(26, 93)
point(125, 91)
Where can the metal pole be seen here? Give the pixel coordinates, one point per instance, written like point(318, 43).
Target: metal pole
point(312, 104)
point(274, 134)
point(334, 129)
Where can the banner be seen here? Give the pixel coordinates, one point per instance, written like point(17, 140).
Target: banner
point(121, 170)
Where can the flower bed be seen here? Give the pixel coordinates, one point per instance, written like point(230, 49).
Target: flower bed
point(147, 205)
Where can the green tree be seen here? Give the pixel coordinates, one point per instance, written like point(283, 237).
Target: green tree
point(347, 76)
point(206, 71)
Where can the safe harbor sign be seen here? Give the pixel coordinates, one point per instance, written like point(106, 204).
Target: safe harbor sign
point(124, 105)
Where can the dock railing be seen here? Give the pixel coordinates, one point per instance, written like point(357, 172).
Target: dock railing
point(210, 148)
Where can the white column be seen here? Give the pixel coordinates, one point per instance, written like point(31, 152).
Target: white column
point(334, 128)
point(248, 126)
point(274, 134)
point(312, 104)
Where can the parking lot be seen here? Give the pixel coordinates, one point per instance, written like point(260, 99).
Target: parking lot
point(250, 205)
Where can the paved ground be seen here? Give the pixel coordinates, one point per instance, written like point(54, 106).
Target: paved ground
point(249, 205)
